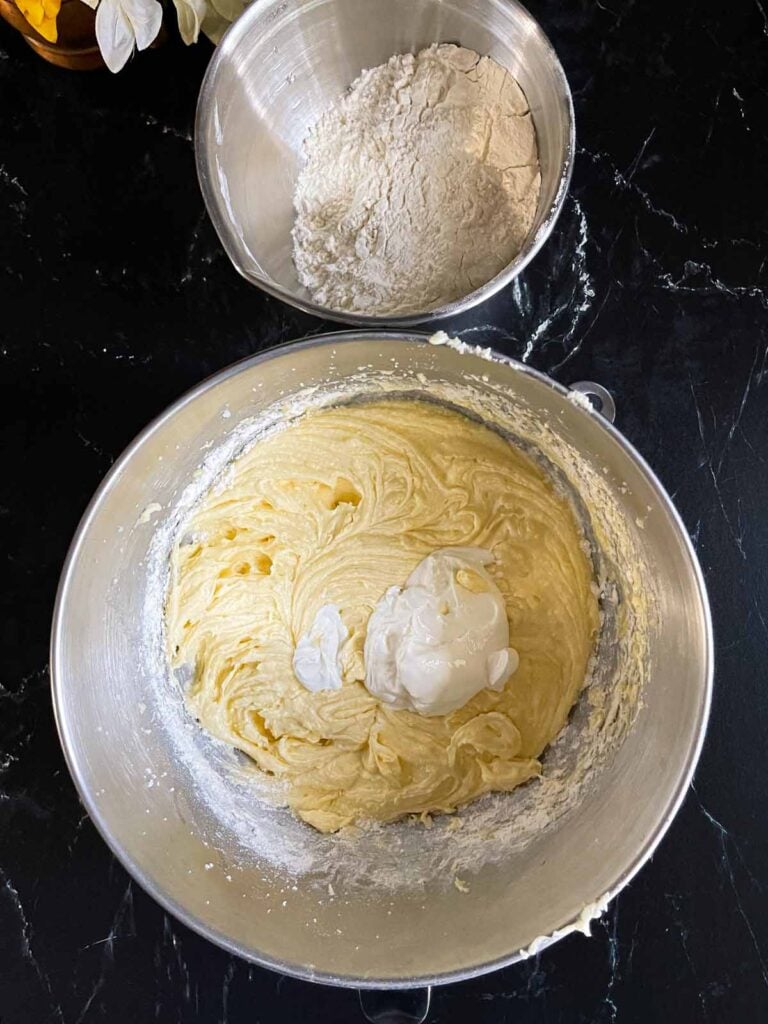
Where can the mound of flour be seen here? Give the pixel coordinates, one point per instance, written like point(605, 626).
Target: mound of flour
point(418, 187)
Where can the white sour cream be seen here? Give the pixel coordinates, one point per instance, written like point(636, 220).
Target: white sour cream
point(435, 643)
point(317, 655)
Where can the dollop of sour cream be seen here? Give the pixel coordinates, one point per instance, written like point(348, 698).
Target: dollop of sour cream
point(436, 642)
point(317, 655)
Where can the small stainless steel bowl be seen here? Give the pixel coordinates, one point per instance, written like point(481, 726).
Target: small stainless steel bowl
point(284, 62)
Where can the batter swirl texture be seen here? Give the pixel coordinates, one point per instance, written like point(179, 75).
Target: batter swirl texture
point(334, 509)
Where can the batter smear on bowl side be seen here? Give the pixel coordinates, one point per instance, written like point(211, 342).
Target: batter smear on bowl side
point(388, 607)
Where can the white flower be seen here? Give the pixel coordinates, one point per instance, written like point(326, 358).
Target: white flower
point(214, 26)
point(230, 10)
point(122, 23)
point(190, 14)
point(219, 15)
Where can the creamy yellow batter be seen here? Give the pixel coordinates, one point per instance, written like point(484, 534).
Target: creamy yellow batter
point(334, 509)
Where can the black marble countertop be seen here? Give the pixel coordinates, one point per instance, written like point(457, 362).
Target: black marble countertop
point(115, 297)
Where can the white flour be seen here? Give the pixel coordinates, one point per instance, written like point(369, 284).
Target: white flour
point(418, 187)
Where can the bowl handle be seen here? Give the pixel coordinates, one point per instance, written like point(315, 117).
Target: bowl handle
point(408, 1006)
point(600, 398)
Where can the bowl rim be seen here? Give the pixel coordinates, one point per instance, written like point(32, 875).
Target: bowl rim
point(305, 972)
point(533, 244)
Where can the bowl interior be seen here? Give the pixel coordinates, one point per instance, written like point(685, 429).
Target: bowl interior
point(182, 812)
point(281, 66)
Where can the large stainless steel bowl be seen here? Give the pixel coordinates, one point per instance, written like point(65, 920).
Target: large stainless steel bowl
point(176, 807)
point(284, 62)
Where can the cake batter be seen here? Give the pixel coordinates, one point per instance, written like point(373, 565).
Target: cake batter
point(327, 516)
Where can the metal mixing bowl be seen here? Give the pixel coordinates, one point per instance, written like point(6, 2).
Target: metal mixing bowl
point(284, 62)
point(143, 792)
